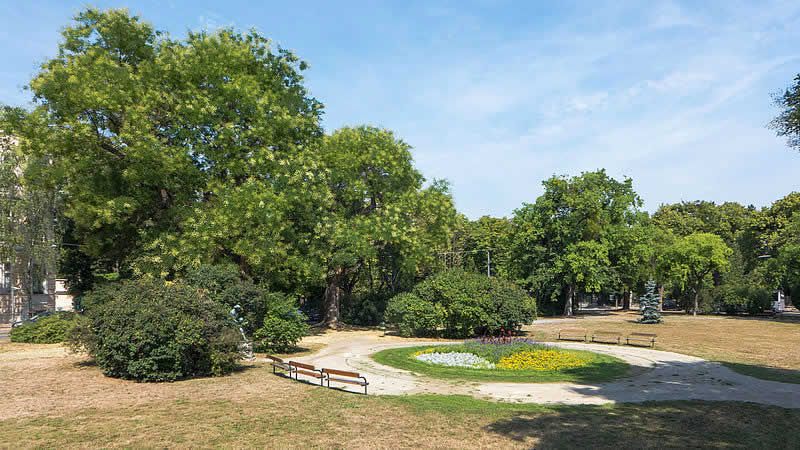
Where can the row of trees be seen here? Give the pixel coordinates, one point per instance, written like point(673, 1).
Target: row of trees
point(168, 154)
point(587, 235)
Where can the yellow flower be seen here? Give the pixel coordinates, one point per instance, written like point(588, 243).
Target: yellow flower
point(541, 360)
point(422, 352)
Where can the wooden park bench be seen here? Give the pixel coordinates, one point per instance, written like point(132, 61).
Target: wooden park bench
point(305, 369)
point(345, 377)
point(278, 363)
point(607, 337)
point(572, 334)
point(647, 338)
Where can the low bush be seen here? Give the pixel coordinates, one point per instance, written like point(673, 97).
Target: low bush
point(740, 298)
point(463, 303)
point(283, 326)
point(156, 331)
point(412, 315)
point(47, 330)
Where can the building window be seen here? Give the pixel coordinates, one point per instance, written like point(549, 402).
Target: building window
point(5, 277)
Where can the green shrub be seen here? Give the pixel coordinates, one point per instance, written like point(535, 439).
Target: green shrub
point(156, 331)
point(741, 296)
point(464, 303)
point(283, 326)
point(413, 316)
point(759, 300)
point(47, 330)
point(222, 284)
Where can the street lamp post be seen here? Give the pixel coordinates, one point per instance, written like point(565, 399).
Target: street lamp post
point(488, 258)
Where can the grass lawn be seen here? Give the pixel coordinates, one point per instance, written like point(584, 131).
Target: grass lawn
point(601, 368)
point(761, 347)
point(74, 405)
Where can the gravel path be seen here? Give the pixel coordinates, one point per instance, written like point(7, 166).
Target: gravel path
point(654, 375)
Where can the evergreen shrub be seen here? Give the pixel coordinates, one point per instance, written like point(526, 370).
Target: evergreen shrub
point(149, 330)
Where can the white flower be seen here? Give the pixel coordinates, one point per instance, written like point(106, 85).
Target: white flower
point(455, 359)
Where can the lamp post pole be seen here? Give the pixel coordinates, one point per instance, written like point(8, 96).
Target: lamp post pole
point(488, 258)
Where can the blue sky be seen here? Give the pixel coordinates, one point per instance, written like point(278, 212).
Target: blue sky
point(497, 96)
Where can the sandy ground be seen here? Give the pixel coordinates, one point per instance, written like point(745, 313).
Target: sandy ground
point(654, 375)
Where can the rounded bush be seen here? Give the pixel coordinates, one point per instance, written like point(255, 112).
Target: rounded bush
point(412, 315)
point(47, 330)
point(156, 331)
point(463, 303)
point(283, 326)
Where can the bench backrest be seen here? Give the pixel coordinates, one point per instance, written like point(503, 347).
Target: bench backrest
point(274, 358)
point(615, 333)
point(301, 365)
point(572, 330)
point(642, 334)
point(341, 372)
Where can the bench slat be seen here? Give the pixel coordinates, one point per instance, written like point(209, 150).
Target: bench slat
point(274, 358)
point(343, 380)
point(309, 373)
point(341, 372)
point(301, 365)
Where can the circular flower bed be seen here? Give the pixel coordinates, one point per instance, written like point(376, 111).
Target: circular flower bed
point(501, 353)
point(505, 359)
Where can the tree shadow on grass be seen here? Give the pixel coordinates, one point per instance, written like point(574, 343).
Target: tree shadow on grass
point(784, 318)
point(764, 372)
point(86, 363)
point(685, 424)
point(702, 380)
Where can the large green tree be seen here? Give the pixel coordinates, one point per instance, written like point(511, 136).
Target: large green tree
point(173, 152)
point(378, 211)
point(726, 220)
point(694, 257)
point(492, 235)
point(787, 123)
point(565, 240)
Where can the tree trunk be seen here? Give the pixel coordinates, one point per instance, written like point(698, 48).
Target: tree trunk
point(661, 297)
point(696, 301)
point(626, 301)
point(332, 293)
point(717, 277)
point(568, 302)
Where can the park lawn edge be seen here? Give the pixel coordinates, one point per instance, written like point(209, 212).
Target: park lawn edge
point(764, 373)
point(603, 368)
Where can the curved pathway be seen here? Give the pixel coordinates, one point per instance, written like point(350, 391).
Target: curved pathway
point(654, 375)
